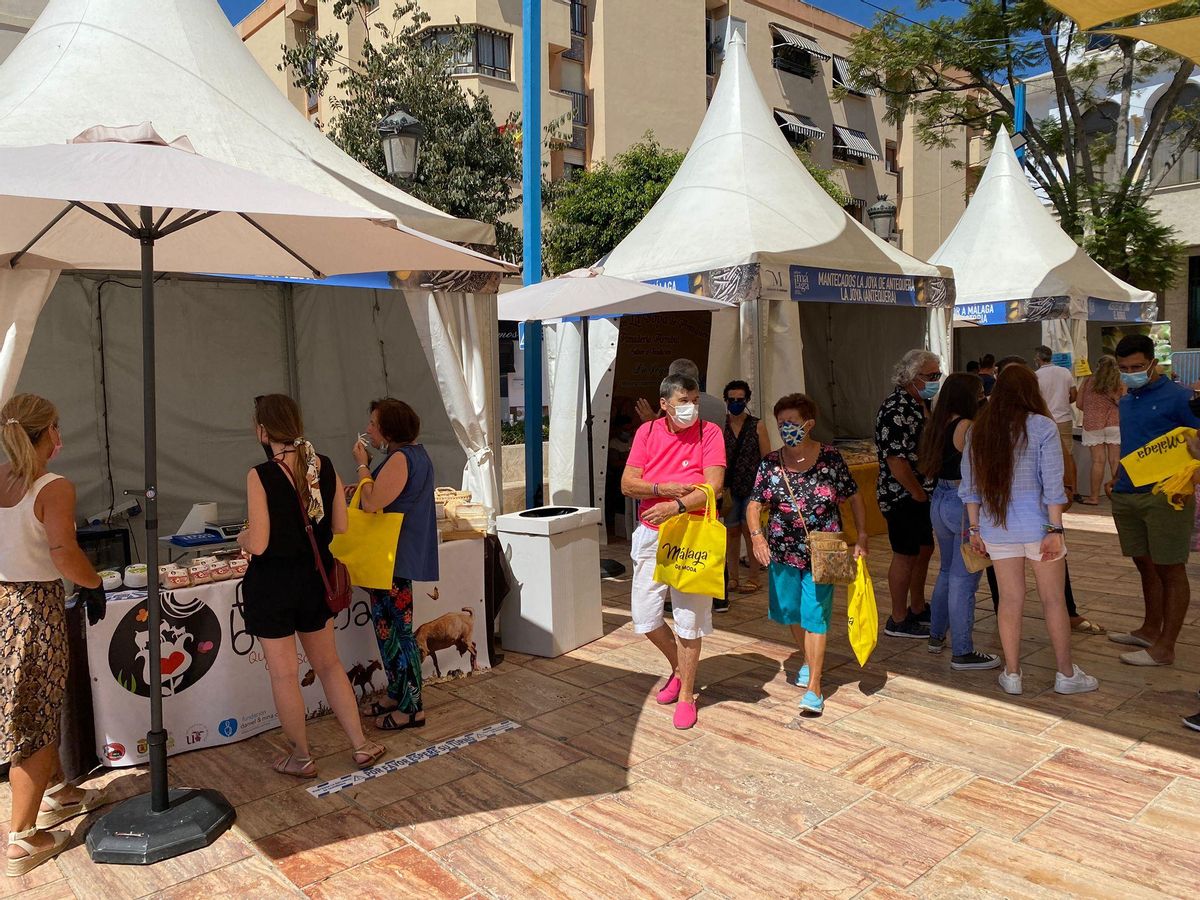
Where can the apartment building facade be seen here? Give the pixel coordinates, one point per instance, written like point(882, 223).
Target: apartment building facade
point(614, 70)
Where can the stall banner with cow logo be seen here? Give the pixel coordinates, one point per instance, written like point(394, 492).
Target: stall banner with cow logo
point(216, 689)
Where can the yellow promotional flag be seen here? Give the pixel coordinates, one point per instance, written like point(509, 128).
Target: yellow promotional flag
point(862, 615)
point(691, 551)
point(368, 548)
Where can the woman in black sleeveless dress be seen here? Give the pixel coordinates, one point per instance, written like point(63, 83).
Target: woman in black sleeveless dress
point(283, 592)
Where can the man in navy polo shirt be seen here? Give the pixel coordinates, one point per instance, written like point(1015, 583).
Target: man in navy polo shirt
point(1156, 535)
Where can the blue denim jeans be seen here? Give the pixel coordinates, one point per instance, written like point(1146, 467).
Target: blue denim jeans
point(953, 602)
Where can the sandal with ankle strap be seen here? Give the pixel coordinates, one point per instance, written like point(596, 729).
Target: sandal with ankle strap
point(35, 856)
point(366, 755)
point(390, 723)
point(61, 812)
point(296, 766)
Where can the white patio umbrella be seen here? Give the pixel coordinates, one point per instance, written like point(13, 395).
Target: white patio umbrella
point(589, 293)
point(125, 199)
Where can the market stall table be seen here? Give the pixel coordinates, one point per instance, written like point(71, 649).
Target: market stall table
point(864, 467)
point(204, 640)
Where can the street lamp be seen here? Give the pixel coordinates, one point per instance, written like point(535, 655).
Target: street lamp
point(400, 135)
point(883, 217)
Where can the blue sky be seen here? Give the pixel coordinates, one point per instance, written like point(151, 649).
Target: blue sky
point(854, 10)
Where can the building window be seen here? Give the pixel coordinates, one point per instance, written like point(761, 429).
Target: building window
point(1099, 42)
point(795, 53)
point(488, 54)
point(841, 78)
point(851, 146)
point(573, 170)
point(799, 130)
point(712, 46)
point(891, 163)
point(578, 18)
point(856, 209)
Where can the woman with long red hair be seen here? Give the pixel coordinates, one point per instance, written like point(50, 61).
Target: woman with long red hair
point(1012, 485)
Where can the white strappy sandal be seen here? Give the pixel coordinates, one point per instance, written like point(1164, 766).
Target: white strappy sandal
point(25, 864)
point(61, 812)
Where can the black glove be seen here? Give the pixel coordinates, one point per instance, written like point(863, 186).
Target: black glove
point(95, 601)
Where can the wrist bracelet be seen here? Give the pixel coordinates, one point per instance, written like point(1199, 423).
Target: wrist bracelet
point(654, 489)
point(364, 466)
point(974, 529)
point(1053, 529)
point(754, 534)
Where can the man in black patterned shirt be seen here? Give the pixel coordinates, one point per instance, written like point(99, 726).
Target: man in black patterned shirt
point(901, 490)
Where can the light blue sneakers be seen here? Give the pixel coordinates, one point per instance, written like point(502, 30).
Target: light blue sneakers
point(802, 676)
point(812, 703)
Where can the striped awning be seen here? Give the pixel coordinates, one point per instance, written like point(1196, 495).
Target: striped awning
point(855, 143)
point(798, 124)
point(785, 37)
point(841, 76)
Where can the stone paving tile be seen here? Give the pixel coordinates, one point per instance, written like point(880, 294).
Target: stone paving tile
point(995, 807)
point(1096, 781)
point(319, 848)
point(403, 873)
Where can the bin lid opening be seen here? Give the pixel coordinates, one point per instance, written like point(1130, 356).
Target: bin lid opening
point(548, 512)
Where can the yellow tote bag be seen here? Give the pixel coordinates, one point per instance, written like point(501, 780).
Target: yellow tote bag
point(862, 614)
point(691, 551)
point(368, 548)
point(1159, 459)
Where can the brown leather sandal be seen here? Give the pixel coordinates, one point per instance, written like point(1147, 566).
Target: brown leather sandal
point(366, 755)
point(296, 766)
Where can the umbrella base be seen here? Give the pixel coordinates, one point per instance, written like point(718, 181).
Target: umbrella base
point(132, 834)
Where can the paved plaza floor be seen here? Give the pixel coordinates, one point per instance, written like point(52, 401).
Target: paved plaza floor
point(917, 781)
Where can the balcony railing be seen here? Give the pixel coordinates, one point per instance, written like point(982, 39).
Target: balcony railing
point(578, 18)
point(579, 108)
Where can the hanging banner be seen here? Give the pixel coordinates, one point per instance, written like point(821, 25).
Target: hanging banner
point(1011, 312)
point(1099, 310)
point(216, 688)
point(816, 285)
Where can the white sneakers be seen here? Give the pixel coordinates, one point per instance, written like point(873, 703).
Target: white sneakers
point(1011, 683)
point(1079, 682)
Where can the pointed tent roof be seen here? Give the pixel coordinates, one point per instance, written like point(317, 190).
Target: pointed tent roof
point(180, 65)
point(1007, 246)
point(742, 196)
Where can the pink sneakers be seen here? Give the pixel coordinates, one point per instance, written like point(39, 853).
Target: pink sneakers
point(685, 715)
point(670, 691)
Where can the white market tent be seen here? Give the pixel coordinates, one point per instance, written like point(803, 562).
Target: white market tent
point(743, 220)
point(1013, 263)
point(180, 65)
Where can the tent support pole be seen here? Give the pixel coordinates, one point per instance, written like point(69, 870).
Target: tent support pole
point(587, 405)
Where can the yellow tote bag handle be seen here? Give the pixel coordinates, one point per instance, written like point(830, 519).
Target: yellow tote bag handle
point(710, 511)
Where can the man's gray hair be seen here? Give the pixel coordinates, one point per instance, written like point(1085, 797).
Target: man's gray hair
point(1043, 354)
point(910, 366)
point(685, 367)
point(672, 384)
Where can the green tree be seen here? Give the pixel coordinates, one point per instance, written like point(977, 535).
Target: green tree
point(469, 165)
point(588, 215)
point(955, 71)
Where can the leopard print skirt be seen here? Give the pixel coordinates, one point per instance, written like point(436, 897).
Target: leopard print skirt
point(33, 666)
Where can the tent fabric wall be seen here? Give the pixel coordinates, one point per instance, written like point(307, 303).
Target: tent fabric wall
point(847, 387)
point(220, 343)
point(459, 334)
point(939, 338)
point(568, 423)
point(23, 293)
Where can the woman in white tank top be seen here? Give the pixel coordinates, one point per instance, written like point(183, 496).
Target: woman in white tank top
point(37, 549)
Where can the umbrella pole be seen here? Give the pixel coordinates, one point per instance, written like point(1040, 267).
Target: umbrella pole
point(163, 824)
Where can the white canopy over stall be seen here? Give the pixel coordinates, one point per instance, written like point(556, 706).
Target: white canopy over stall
point(1013, 263)
point(743, 220)
point(179, 64)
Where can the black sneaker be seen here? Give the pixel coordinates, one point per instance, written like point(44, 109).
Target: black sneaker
point(909, 628)
point(1192, 722)
point(720, 604)
point(925, 615)
point(974, 660)
point(667, 609)
point(936, 644)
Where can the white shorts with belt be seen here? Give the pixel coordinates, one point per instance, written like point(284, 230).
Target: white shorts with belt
point(692, 612)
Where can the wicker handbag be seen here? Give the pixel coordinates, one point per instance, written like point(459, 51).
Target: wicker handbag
point(973, 560)
point(830, 557)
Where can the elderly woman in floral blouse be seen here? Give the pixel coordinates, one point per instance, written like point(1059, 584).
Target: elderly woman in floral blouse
point(801, 485)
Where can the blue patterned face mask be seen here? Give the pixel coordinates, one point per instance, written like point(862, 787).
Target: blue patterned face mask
point(793, 433)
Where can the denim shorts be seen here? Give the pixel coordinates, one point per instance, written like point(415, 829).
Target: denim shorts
point(737, 513)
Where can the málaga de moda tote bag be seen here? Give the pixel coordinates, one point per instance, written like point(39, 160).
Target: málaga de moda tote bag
point(691, 551)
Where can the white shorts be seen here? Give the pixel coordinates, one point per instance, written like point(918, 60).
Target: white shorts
point(1102, 436)
point(1031, 550)
point(692, 612)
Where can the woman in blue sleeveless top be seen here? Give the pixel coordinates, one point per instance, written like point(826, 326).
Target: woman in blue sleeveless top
point(402, 482)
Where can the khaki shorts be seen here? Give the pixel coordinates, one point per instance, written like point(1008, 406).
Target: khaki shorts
point(1066, 437)
point(1148, 527)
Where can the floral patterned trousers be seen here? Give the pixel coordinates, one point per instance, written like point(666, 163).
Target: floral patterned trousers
point(392, 613)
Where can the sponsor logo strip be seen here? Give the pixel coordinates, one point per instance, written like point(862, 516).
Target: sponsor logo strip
point(325, 788)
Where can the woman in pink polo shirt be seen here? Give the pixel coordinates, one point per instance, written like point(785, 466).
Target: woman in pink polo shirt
point(670, 456)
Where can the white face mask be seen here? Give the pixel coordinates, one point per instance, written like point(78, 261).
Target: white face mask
point(684, 415)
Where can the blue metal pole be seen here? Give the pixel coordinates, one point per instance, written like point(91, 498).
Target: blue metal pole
point(531, 196)
point(1019, 118)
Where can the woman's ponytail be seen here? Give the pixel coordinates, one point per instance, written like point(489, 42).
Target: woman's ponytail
point(24, 419)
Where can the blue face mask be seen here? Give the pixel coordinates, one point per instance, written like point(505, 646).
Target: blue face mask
point(930, 390)
point(736, 407)
point(1135, 380)
point(793, 433)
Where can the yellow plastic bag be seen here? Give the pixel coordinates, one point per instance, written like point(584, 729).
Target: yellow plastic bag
point(368, 548)
point(691, 551)
point(1160, 459)
point(862, 614)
